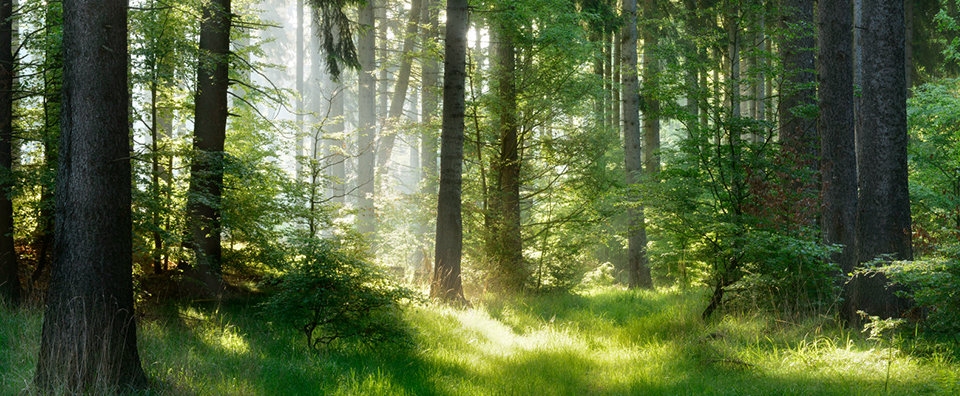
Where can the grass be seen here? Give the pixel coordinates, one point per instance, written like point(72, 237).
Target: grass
point(602, 342)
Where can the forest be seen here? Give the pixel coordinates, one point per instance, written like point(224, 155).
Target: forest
point(479, 197)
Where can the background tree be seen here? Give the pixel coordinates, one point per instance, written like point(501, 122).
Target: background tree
point(9, 268)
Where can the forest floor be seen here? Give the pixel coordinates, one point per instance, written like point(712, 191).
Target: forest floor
point(606, 341)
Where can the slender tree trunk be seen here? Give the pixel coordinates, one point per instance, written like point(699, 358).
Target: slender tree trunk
point(428, 137)
point(615, 94)
point(9, 268)
point(391, 125)
point(651, 105)
point(209, 133)
point(607, 79)
point(447, 285)
point(638, 270)
point(883, 210)
point(299, 134)
point(367, 109)
point(508, 250)
point(89, 338)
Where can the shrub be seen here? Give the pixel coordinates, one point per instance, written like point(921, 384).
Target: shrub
point(331, 295)
point(934, 285)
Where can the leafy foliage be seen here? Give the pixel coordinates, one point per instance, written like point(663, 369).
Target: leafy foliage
point(330, 295)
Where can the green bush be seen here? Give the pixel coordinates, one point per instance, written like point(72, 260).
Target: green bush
point(934, 285)
point(332, 295)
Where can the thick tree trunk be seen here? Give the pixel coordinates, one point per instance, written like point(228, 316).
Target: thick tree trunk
point(638, 270)
point(9, 268)
point(447, 285)
point(883, 210)
point(366, 128)
point(838, 164)
point(508, 250)
point(209, 133)
point(89, 340)
point(391, 125)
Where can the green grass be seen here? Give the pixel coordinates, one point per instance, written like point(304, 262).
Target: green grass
point(602, 342)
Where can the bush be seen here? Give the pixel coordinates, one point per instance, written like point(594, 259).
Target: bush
point(934, 285)
point(331, 295)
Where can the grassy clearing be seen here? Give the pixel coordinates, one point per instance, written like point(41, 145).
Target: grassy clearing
point(602, 342)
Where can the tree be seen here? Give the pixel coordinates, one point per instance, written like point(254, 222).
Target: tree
point(446, 284)
point(400, 89)
point(838, 162)
point(638, 270)
point(883, 208)
point(89, 339)
point(209, 133)
point(9, 268)
point(367, 109)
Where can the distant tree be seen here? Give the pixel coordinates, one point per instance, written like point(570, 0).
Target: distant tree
point(638, 269)
point(447, 284)
point(89, 339)
point(9, 268)
point(366, 130)
point(400, 89)
point(209, 133)
point(883, 208)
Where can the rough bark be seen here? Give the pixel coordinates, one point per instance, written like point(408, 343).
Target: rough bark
point(209, 133)
point(366, 128)
point(9, 268)
point(391, 125)
point(638, 270)
point(883, 208)
point(447, 284)
point(89, 340)
point(838, 164)
point(508, 249)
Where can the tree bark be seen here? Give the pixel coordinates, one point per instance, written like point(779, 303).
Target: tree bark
point(9, 267)
point(508, 251)
point(638, 271)
point(299, 134)
point(838, 164)
point(367, 109)
point(89, 340)
point(883, 208)
point(209, 133)
point(446, 284)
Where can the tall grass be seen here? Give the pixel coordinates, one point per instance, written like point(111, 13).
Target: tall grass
point(607, 341)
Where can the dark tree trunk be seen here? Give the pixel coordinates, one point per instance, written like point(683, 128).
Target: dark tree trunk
point(447, 285)
point(798, 130)
point(89, 339)
point(883, 210)
point(206, 168)
point(638, 270)
point(508, 251)
point(367, 109)
point(399, 90)
point(9, 268)
point(838, 164)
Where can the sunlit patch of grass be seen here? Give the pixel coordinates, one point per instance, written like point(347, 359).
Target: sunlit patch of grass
point(603, 341)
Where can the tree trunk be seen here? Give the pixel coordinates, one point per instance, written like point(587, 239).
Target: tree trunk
point(9, 268)
point(89, 340)
point(651, 105)
point(428, 137)
point(508, 251)
point(638, 271)
point(299, 134)
point(391, 125)
point(798, 132)
point(883, 210)
point(209, 133)
point(367, 108)
point(447, 285)
point(838, 164)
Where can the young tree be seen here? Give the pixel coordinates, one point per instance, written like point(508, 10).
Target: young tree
point(446, 284)
point(838, 162)
point(206, 168)
point(638, 270)
point(89, 336)
point(883, 210)
point(9, 269)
